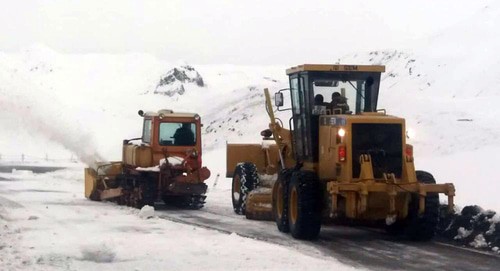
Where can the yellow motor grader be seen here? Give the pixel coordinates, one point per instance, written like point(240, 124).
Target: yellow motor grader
point(164, 164)
point(341, 160)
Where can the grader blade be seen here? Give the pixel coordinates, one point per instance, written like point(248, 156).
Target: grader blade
point(259, 204)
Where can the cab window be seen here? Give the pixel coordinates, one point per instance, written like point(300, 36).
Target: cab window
point(345, 96)
point(177, 134)
point(146, 131)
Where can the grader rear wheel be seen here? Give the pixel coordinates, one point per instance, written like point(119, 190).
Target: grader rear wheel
point(304, 212)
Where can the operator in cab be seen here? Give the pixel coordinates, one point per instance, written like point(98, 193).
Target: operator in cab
point(339, 104)
point(184, 136)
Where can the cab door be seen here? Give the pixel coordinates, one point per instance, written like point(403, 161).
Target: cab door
point(300, 115)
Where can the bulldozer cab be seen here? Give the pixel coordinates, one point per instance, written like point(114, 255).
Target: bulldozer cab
point(171, 133)
point(328, 90)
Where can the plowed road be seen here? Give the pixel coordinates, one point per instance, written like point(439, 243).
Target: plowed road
point(354, 246)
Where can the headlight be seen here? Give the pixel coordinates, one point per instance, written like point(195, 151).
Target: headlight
point(341, 132)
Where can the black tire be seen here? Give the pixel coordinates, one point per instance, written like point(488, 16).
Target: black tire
point(245, 179)
point(280, 200)
point(423, 227)
point(304, 205)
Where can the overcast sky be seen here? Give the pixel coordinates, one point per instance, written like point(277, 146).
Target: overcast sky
point(227, 32)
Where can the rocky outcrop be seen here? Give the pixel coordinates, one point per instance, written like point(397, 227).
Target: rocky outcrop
point(174, 81)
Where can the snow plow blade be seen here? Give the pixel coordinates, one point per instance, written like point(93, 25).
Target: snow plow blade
point(90, 182)
point(96, 178)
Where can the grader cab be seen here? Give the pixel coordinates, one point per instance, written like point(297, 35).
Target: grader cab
point(163, 164)
point(342, 159)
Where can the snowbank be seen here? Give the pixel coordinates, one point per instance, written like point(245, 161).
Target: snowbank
point(473, 227)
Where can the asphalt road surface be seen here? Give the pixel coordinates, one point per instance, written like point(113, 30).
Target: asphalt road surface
point(358, 247)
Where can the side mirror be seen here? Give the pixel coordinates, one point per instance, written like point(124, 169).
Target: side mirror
point(141, 113)
point(278, 99)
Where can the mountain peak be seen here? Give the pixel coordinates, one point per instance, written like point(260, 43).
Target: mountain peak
point(174, 80)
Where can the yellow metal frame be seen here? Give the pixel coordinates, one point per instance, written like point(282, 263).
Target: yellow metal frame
point(358, 191)
point(332, 68)
point(283, 137)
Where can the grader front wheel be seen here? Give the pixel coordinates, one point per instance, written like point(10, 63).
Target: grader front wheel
point(236, 194)
point(419, 227)
point(422, 227)
point(280, 200)
point(245, 179)
point(304, 205)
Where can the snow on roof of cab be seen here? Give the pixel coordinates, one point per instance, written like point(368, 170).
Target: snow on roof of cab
point(170, 113)
point(335, 68)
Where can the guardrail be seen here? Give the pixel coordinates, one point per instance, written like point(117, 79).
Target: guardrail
point(26, 158)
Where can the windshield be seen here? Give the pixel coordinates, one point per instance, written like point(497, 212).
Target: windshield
point(177, 134)
point(338, 97)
